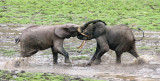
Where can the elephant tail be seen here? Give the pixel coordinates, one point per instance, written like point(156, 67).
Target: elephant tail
point(142, 36)
point(17, 40)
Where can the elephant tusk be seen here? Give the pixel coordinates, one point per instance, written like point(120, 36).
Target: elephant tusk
point(82, 44)
point(79, 30)
point(84, 35)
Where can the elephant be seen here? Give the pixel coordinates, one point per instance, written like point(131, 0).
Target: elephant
point(35, 38)
point(118, 38)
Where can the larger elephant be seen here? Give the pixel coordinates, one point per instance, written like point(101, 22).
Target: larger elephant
point(37, 38)
point(119, 38)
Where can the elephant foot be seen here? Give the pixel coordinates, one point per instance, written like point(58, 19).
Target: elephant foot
point(55, 63)
point(88, 64)
point(118, 62)
point(97, 61)
point(67, 61)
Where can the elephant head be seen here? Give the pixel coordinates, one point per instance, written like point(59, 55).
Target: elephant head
point(91, 30)
point(69, 30)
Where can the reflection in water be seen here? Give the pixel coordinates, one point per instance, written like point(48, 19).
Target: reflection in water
point(126, 78)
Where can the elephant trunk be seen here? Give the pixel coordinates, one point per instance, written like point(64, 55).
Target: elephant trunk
point(93, 21)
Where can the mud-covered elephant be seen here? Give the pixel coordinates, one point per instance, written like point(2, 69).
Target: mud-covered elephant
point(37, 38)
point(119, 38)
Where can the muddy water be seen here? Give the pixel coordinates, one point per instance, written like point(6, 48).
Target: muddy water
point(129, 69)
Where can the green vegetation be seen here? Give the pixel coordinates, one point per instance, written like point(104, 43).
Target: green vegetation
point(12, 76)
point(158, 50)
point(87, 50)
point(8, 52)
point(80, 57)
point(135, 13)
point(144, 48)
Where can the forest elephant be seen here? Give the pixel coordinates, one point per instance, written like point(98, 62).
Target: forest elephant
point(119, 38)
point(35, 38)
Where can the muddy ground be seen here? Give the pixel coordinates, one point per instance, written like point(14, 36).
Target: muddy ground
point(148, 49)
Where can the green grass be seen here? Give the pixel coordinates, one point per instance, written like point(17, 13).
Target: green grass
point(158, 50)
point(11, 76)
point(8, 52)
point(144, 48)
point(135, 13)
point(80, 57)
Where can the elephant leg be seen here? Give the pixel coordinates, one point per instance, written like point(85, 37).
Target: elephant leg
point(119, 50)
point(55, 56)
point(23, 53)
point(58, 47)
point(134, 53)
point(23, 49)
point(65, 54)
point(33, 51)
point(27, 51)
point(118, 57)
point(102, 41)
point(95, 54)
point(98, 57)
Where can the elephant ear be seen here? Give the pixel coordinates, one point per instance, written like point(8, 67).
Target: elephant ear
point(66, 31)
point(99, 30)
point(62, 32)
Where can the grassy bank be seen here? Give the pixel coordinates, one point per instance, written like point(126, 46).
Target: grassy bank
point(136, 13)
point(22, 76)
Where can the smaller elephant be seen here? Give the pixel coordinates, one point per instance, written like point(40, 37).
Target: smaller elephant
point(119, 38)
point(36, 38)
